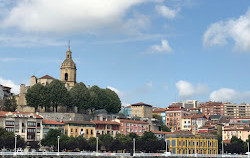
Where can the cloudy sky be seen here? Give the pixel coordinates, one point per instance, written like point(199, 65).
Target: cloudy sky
point(152, 51)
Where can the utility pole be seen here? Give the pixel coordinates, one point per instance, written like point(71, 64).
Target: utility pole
point(58, 145)
point(166, 145)
point(222, 148)
point(96, 144)
point(134, 146)
point(15, 142)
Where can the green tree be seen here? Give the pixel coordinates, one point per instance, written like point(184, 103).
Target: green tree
point(82, 143)
point(113, 104)
point(58, 94)
point(92, 144)
point(37, 96)
point(97, 97)
point(9, 104)
point(8, 140)
point(34, 145)
point(164, 128)
point(80, 96)
point(51, 138)
point(106, 141)
point(236, 146)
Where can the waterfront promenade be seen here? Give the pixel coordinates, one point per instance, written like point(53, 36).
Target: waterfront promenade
point(113, 155)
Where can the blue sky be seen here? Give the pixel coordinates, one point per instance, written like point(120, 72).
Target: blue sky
point(152, 51)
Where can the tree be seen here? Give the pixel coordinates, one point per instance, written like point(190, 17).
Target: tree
point(51, 138)
point(116, 145)
point(34, 145)
point(92, 144)
point(80, 96)
point(58, 94)
point(164, 128)
point(8, 140)
point(113, 104)
point(97, 97)
point(37, 96)
point(236, 146)
point(82, 143)
point(9, 104)
point(106, 140)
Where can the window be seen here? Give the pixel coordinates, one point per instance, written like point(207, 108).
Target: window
point(71, 130)
point(87, 131)
point(76, 130)
point(38, 124)
point(91, 131)
point(9, 123)
point(9, 129)
point(66, 76)
point(32, 124)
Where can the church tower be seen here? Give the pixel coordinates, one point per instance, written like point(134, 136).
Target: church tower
point(68, 70)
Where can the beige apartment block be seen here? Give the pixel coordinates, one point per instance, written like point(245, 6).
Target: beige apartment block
point(141, 110)
point(239, 131)
point(236, 110)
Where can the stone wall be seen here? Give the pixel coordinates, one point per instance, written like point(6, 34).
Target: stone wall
point(65, 116)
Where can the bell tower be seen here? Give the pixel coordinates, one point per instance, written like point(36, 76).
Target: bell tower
point(68, 69)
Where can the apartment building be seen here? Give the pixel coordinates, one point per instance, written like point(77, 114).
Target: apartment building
point(27, 125)
point(132, 126)
point(160, 112)
point(189, 104)
point(80, 128)
point(106, 127)
point(236, 110)
point(174, 118)
point(239, 131)
point(141, 110)
point(198, 121)
point(212, 108)
point(51, 124)
point(186, 123)
point(186, 143)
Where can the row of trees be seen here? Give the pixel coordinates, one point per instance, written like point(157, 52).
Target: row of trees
point(236, 145)
point(7, 140)
point(55, 94)
point(148, 142)
point(8, 104)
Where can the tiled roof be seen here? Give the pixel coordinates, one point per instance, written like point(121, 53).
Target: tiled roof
point(133, 121)
point(8, 113)
point(46, 77)
point(199, 116)
point(105, 122)
point(79, 122)
point(45, 121)
point(140, 104)
point(174, 109)
point(159, 110)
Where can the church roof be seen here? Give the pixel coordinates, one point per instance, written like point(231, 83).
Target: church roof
point(68, 62)
point(46, 77)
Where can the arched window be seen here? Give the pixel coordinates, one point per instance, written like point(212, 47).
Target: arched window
point(66, 77)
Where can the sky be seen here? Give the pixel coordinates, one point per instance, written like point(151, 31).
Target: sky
point(151, 51)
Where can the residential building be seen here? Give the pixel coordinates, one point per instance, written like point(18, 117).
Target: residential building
point(186, 123)
point(198, 121)
point(141, 110)
point(236, 110)
point(80, 128)
point(132, 126)
point(51, 124)
point(186, 143)
point(160, 112)
point(27, 125)
point(106, 127)
point(240, 121)
point(103, 115)
point(212, 108)
point(239, 131)
point(126, 110)
point(174, 118)
point(189, 104)
point(160, 135)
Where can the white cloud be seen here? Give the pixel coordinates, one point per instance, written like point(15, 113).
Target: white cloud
point(186, 89)
point(64, 16)
point(10, 59)
point(167, 12)
point(164, 47)
point(14, 88)
point(229, 95)
point(238, 30)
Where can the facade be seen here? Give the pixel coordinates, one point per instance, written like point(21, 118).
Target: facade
point(126, 110)
point(236, 110)
point(212, 108)
point(107, 127)
point(186, 143)
point(160, 135)
point(240, 131)
point(189, 104)
point(132, 126)
point(174, 118)
point(141, 110)
point(51, 124)
point(27, 125)
point(160, 112)
point(80, 128)
point(207, 129)
point(198, 121)
point(186, 123)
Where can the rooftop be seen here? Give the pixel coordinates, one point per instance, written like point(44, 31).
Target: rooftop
point(141, 104)
point(133, 121)
point(105, 122)
point(19, 114)
point(46, 77)
point(45, 121)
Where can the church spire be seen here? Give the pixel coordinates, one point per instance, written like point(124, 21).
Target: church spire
point(69, 45)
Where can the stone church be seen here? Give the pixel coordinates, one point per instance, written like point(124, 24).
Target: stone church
point(68, 77)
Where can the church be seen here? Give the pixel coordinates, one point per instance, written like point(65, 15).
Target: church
point(68, 77)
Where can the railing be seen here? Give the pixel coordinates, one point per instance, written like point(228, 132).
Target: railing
point(114, 154)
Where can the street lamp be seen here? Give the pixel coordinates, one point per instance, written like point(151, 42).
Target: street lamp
point(58, 140)
point(15, 141)
point(96, 144)
point(134, 146)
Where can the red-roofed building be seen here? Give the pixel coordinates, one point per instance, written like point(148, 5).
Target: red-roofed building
point(51, 124)
point(212, 108)
point(174, 118)
point(27, 125)
point(141, 110)
point(132, 126)
point(107, 127)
